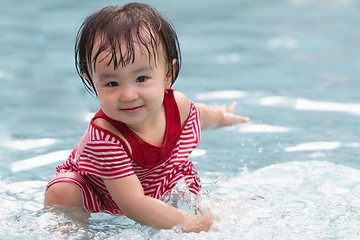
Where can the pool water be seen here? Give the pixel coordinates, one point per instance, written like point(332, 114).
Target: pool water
point(293, 172)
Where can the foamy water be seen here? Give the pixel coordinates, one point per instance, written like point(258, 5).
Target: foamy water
point(296, 200)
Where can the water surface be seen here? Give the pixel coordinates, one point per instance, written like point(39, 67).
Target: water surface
point(292, 66)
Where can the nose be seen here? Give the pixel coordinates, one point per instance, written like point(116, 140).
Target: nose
point(128, 93)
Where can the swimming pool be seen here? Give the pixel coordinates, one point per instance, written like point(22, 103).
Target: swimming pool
point(293, 66)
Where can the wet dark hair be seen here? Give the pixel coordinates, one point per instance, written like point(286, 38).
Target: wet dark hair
point(134, 24)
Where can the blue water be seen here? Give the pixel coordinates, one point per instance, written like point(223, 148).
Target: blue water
point(293, 67)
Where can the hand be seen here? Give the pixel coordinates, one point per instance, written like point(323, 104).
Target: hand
point(198, 223)
point(228, 117)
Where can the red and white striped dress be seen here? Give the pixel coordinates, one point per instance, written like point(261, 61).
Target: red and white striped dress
point(103, 155)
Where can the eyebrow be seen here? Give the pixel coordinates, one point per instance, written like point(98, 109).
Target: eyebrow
point(107, 75)
point(136, 71)
point(142, 69)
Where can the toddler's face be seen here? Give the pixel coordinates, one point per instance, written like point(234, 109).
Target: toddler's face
point(132, 94)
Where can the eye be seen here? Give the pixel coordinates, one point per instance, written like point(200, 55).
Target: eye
point(141, 79)
point(113, 84)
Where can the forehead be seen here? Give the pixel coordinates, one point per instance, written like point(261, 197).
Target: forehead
point(136, 46)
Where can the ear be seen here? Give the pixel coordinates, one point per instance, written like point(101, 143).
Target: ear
point(86, 77)
point(171, 71)
point(89, 83)
point(88, 80)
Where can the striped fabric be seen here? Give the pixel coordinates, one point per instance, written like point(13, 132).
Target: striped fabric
point(100, 155)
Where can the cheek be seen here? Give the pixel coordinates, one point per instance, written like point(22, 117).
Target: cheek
point(101, 103)
point(104, 100)
point(155, 97)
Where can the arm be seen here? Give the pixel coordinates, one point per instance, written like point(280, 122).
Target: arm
point(210, 117)
point(215, 117)
point(129, 196)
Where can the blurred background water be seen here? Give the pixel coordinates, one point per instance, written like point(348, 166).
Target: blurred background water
point(292, 66)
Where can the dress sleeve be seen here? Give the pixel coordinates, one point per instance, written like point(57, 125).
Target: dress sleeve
point(192, 124)
point(106, 160)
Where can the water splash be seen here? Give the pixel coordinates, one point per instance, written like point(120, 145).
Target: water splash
point(295, 200)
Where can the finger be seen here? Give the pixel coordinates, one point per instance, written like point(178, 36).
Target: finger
point(232, 107)
point(244, 119)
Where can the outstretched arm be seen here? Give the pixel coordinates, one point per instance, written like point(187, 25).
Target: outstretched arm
point(215, 117)
point(129, 196)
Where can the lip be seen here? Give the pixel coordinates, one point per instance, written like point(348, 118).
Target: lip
point(132, 109)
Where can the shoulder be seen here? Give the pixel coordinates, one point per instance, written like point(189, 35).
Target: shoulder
point(103, 124)
point(184, 104)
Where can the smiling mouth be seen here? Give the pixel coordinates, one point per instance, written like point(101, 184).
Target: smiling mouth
point(131, 110)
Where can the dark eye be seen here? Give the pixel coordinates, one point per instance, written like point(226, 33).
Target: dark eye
point(141, 79)
point(113, 84)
